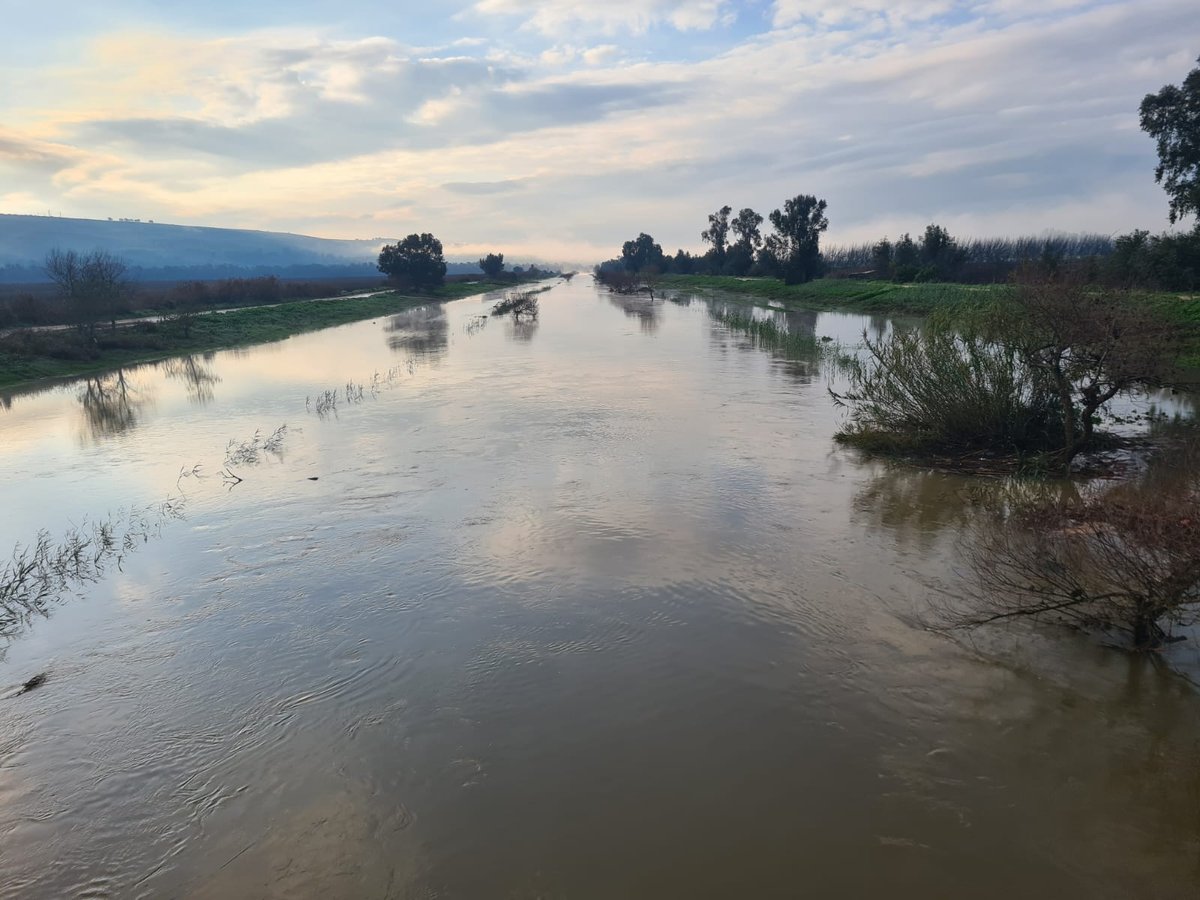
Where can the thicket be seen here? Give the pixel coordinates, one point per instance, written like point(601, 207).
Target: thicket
point(1029, 376)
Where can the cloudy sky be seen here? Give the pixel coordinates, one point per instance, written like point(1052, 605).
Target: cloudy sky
point(561, 128)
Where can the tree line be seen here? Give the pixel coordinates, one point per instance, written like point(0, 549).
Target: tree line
point(737, 246)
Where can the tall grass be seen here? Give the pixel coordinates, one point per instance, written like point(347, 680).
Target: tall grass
point(766, 333)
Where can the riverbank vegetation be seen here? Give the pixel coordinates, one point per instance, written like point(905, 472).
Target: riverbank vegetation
point(1026, 377)
point(32, 354)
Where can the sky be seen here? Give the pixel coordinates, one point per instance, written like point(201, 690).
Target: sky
point(559, 129)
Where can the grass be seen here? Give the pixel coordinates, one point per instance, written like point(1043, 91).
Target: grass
point(885, 297)
point(766, 332)
point(33, 356)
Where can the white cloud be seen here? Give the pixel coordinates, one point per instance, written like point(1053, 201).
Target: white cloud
point(558, 17)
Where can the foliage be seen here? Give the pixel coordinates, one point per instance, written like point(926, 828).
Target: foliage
point(519, 304)
point(933, 390)
point(795, 245)
point(1172, 118)
point(1028, 375)
point(717, 234)
point(641, 253)
point(1165, 261)
point(416, 262)
point(492, 264)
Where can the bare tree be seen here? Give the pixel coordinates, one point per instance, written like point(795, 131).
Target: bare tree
point(92, 284)
point(1092, 343)
point(1125, 560)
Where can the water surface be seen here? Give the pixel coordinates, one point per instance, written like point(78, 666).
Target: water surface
point(586, 607)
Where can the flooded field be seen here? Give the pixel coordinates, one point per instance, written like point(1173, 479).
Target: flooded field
point(585, 607)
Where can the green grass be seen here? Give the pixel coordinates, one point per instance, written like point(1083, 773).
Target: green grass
point(60, 354)
point(843, 293)
point(885, 297)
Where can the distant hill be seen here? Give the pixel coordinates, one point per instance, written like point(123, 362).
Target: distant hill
point(158, 252)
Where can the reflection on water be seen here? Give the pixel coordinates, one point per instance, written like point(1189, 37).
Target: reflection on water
point(587, 615)
point(642, 307)
point(197, 374)
point(420, 333)
point(111, 404)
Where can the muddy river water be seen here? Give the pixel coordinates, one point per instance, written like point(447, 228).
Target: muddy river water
point(591, 607)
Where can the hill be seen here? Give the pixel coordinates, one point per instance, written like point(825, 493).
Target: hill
point(159, 252)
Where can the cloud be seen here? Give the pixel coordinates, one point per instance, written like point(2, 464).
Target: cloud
point(979, 116)
point(558, 17)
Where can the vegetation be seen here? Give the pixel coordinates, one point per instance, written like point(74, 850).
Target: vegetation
point(492, 264)
point(1026, 376)
point(1172, 118)
point(766, 333)
point(28, 355)
point(794, 250)
point(91, 284)
point(416, 263)
point(1125, 560)
point(518, 304)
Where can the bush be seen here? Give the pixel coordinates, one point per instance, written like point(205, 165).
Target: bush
point(932, 390)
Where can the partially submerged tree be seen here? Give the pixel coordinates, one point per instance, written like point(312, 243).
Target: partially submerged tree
point(92, 284)
point(1172, 118)
point(416, 262)
point(1029, 376)
point(1126, 560)
point(1090, 344)
point(796, 244)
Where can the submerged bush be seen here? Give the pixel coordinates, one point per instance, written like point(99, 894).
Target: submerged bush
point(934, 390)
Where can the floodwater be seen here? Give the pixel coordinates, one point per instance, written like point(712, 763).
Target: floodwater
point(591, 607)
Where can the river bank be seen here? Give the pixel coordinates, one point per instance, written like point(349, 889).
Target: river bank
point(889, 298)
point(29, 356)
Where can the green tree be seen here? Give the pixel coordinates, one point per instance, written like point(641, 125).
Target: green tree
point(717, 234)
point(642, 253)
point(881, 259)
point(740, 256)
point(416, 262)
point(796, 243)
point(940, 253)
point(1172, 118)
point(492, 264)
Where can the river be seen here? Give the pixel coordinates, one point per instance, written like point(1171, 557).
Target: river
point(590, 607)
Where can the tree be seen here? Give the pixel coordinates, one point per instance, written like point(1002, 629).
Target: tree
point(1125, 560)
point(1172, 118)
point(906, 259)
point(642, 253)
point(881, 259)
point(1090, 344)
point(796, 243)
point(415, 262)
point(93, 285)
point(492, 264)
point(940, 253)
point(740, 256)
point(717, 234)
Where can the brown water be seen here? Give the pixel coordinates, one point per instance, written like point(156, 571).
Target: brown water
point(587, 608)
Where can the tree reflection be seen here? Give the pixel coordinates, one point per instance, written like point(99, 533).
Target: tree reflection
point(637, 306)
point(111, 405)
point(197, 374)
point(421, 333)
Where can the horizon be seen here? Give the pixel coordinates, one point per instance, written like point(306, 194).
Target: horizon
point(560, 130)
